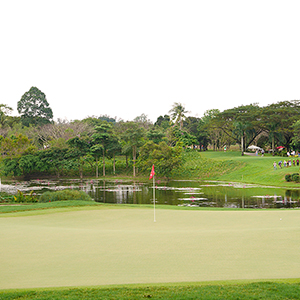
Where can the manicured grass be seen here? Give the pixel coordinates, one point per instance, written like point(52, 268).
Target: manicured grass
point(223, 290)
point(9, 208)
point(111, 247)
point(69, 205)
point(91, 247)
point(252, 169)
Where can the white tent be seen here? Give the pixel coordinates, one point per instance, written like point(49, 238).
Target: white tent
point(253, 147)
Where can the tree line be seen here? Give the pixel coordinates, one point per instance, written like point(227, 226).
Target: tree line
point(267, 127)
point(33, 143)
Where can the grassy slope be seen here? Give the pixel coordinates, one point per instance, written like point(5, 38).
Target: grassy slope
point(249, 169)
point(198, 166)
point(287, 289)
point(9, 208)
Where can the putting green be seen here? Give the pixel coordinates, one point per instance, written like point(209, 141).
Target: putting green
point(119, 246)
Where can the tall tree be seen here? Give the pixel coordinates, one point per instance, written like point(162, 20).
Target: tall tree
point(178, 113)
point(56, 132)
point(34, 108)
point(163, 122)
point(54, 158)
point(278, 120)
point(134, 138)
point(209, 130)
point(156, 135)
point(102, 139)
point(296, 138)
point(240, 129)
point(143, 121)
point(79, 147)
point(114, 148)
point(165, 158)
point(246, 115)
point(4, 112)
point(16, 146)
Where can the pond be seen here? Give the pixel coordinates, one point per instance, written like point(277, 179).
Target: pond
point(180, 193)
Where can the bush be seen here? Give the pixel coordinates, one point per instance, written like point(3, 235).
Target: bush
point(283, 153)
point(22, 198)
point(64, 195)
point(288, 177)
point(295, 177)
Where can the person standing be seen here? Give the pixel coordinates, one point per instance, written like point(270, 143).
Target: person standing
point(275, 165)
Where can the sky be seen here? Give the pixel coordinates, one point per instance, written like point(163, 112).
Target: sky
point(132, 57)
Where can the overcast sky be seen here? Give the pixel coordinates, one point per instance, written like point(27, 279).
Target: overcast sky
point(125, 58)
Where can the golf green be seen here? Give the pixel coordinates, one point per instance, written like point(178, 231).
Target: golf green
point(120, 246)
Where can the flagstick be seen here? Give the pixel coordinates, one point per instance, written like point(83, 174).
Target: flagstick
point(154, 196)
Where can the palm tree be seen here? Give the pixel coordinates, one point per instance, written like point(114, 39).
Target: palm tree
point(177, 113)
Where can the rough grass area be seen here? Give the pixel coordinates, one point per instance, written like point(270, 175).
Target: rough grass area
point(87, 247)
point(255, 290)
point(64, 195)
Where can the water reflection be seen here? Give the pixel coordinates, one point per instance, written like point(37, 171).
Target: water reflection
point(181, 193)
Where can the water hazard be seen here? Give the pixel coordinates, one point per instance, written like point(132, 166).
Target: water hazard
point(180, 193)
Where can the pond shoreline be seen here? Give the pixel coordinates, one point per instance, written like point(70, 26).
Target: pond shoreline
point(189, 193)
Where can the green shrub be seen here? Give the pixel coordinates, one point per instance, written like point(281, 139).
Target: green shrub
point(22, 198)
point(64, 195)
point(288, 177)
point(295, 177)
point(283, 153)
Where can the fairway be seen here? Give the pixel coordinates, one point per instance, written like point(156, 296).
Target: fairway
point(120, 246)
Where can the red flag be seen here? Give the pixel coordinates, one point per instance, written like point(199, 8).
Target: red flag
point(152, 173)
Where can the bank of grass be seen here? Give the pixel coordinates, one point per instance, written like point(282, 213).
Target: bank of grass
point(286, 289)
point(231, 166)
point(74, 205)
point(197, 166)
point(12, 208)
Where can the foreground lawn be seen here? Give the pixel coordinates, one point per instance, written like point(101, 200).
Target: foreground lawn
point(91, 247)
point(256, 290)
